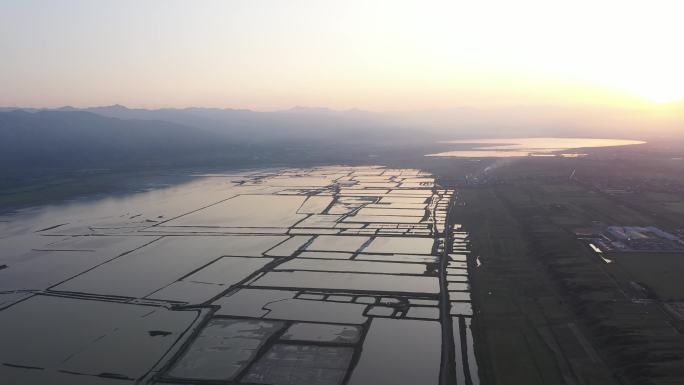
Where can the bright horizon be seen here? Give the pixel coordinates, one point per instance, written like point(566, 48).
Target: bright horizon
point(376, 56)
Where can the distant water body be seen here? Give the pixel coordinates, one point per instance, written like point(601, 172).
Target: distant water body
point(517, 147)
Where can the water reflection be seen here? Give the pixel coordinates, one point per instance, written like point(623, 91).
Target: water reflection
point(517, 147)
point(293, 276)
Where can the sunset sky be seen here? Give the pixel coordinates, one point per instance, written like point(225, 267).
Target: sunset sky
point(373, 55)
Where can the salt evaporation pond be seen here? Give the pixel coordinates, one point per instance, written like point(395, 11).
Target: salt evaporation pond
point(327, 275)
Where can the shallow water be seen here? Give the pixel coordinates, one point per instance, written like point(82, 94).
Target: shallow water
point(273, 276)
point(517, 147)
point(411, 360)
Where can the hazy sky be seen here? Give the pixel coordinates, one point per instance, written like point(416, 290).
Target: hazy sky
point(369, 54)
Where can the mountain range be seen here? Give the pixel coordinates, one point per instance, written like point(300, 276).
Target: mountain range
point(117, 135)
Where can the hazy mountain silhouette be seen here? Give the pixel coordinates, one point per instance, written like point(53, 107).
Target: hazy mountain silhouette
point(116, 136)
point(296, 125)
point(323, 124)
point(112, 135)
point(76, 138)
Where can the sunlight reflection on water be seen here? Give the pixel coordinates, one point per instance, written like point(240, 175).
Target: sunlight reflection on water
point(517, 147)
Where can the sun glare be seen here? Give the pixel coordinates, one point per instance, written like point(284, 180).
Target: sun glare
point(657, 86)
point(662, 94)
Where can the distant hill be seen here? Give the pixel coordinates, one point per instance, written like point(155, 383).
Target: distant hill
point(314, 124)
point(296, 125)
point(108, 136)
point(77, 138)
point(114, 137)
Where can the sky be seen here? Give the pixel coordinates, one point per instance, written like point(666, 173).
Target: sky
point(372, 55)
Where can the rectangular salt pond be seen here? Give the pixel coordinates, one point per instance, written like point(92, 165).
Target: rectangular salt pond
point(456, 264)
point(458, 257)
point(349, 281)
point(40, 269)
point(423, 312)
point(301, 364)
point(289, 247)
point(247, 211)
point(417, 185)
point(359, 192)
point(378, 184)
point(397, 258)
point(325, 255)
point(457, 278)
point(386, 205)
point(211, 280)
point(250, 302)
point(353, 266)
point(399, 199)
point(188, 292)
point(392, 211)
point(459, 296)
point(319, 221)
point(382, 219)
point(223, 348)
point(400, 245)
point(300, 181)
point(154, 266)
point(419, 180)
point(88, 336)
point(315, 204)
point(316, 311)
point(458, 286)
point(228, 270)
point(411, 193)
point(341, 209)
point(461, 308)
point(314, 332)
point(337, 243)
point(399, 352)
